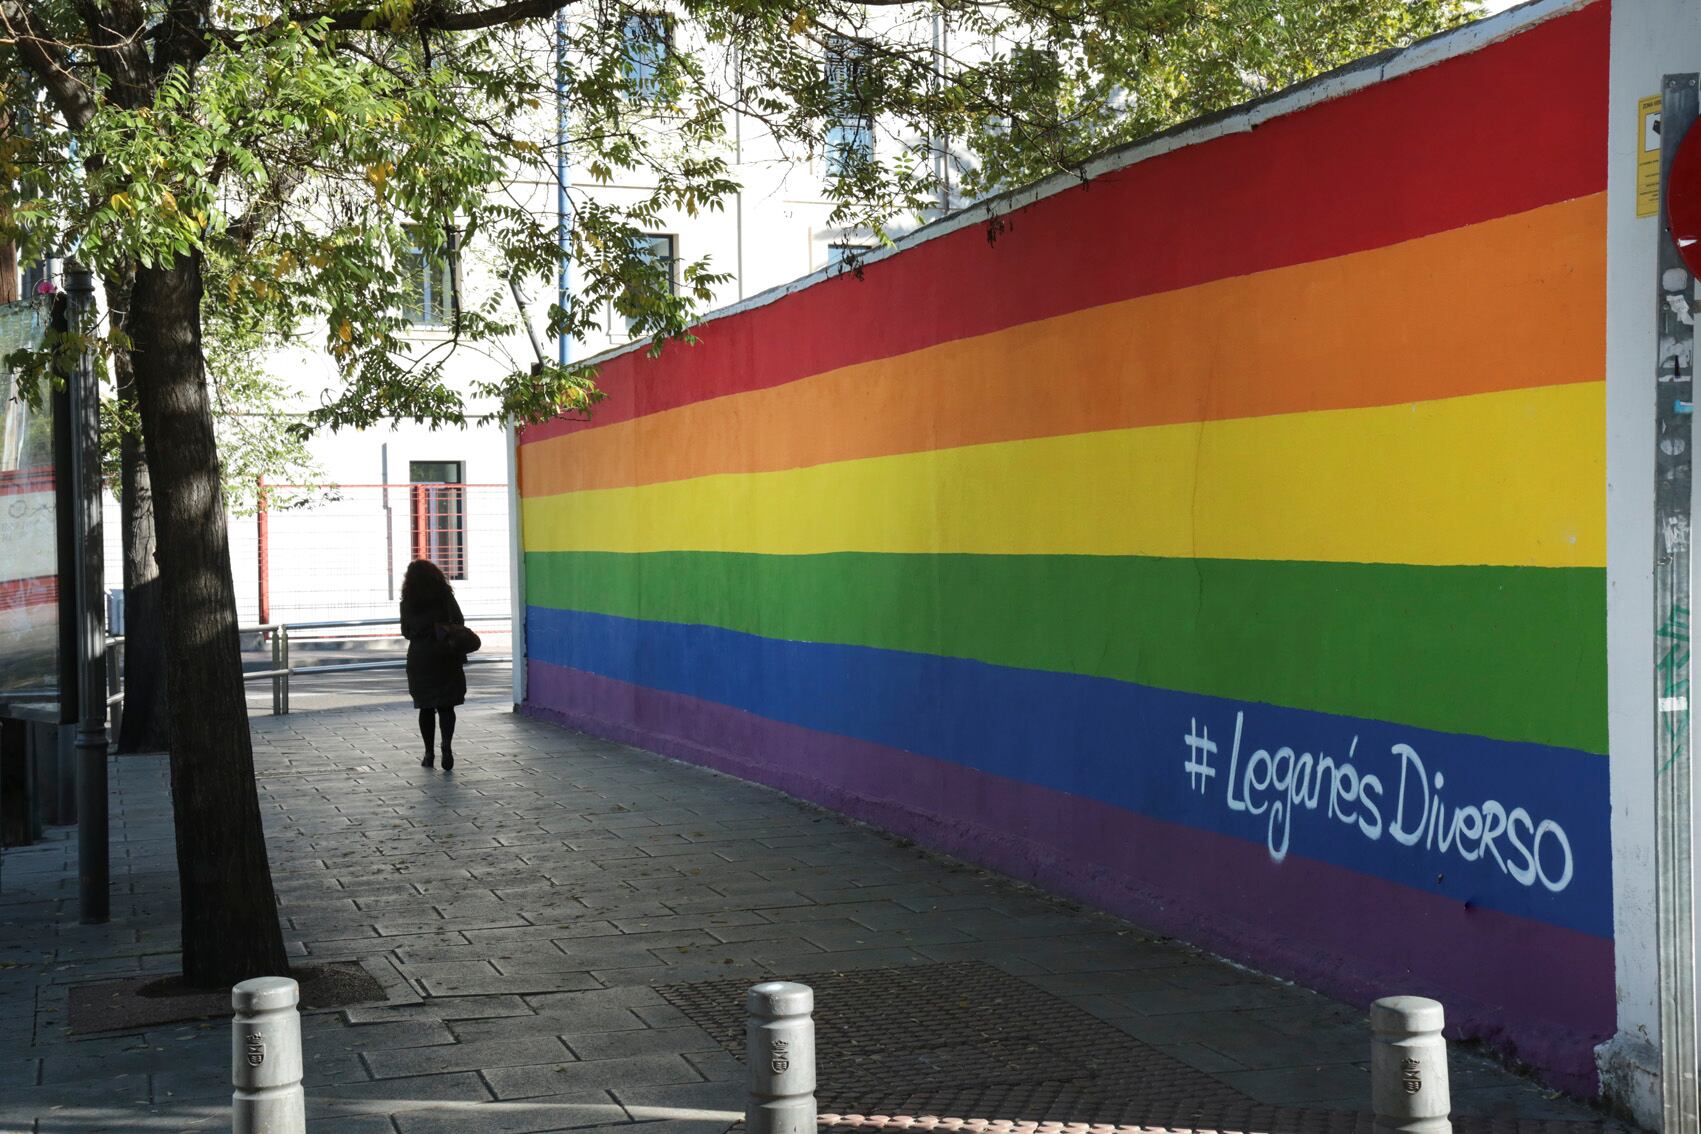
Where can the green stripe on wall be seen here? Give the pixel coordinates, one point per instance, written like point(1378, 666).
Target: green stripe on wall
point(1513, 653)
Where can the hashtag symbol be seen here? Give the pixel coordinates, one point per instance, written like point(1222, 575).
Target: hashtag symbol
point(1200, 749)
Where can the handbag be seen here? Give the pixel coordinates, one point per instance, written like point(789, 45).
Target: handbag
point(459, 638)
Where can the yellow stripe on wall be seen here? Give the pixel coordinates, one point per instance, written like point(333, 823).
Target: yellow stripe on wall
point(1514, 478)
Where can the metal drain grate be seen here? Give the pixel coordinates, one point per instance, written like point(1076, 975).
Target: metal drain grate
point(965, 1038)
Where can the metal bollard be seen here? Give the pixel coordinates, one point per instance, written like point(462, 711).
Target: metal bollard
point(1408, 1067)
point(779, 1045)
point(265, 1058)
point(277, 676)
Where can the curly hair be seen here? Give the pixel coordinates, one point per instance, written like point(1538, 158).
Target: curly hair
point(424, 585)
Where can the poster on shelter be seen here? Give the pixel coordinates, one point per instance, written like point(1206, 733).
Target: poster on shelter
point(29, 561)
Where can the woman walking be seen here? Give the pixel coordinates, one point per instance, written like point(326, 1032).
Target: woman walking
point(437, 678)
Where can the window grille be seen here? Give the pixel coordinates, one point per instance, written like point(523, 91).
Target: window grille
point(438, 512)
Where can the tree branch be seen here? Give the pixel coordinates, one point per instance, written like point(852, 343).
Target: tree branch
point(49, 60)
point(182, 37)
point(118, 31)
point(435, 17)
point(261, 212)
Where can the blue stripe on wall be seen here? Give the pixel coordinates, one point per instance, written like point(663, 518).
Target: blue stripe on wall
point(1521, 828)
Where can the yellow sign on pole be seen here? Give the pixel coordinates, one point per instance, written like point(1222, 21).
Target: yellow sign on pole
point(1648, 156)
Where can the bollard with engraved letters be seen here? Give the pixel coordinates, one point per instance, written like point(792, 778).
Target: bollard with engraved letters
point(1408, 1067)
point(779, 1047)
point(265, 1058)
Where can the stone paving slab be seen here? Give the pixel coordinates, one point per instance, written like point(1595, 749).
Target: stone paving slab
point(539, 916)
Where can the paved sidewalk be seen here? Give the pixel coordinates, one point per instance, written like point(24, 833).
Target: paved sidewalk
point(564, 926)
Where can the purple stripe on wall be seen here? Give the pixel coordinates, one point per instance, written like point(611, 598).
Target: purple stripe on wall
point(1536, 991)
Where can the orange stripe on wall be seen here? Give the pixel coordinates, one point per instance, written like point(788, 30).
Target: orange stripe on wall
point(1507, 304)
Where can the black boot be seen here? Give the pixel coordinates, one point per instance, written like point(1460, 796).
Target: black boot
point(448, 758)
point(426, 763)
point(428, 733)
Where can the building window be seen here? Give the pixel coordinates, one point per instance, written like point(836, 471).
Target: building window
point(439, 514)
point(659, 250)
point(850, 135)
point(37, 279)
point(648, 40)
point(428, 286)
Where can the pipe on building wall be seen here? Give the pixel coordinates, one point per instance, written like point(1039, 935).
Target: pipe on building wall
point(389, 523)
point(263, 545)
point(942, 143)
point(563, 347)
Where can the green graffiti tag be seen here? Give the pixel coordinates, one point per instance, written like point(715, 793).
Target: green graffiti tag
point(1673, 668)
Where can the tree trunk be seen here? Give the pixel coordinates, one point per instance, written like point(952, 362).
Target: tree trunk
point(8, 250)
point(8, 267)
point(230, 915)
point(143, 726)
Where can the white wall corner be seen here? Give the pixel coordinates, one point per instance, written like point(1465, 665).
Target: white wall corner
point(1650, 38)
point(516, 566)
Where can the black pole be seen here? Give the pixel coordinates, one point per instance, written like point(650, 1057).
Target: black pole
point(93, 866)
point(61, 808)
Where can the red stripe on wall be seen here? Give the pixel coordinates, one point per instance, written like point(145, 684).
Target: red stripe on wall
point(15, 594)
point(38, 478)
point(1513, 126)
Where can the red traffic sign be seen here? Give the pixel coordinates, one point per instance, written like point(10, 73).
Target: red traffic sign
point(1683, 199)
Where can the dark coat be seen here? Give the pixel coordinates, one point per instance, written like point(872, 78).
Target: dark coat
point(437, 676)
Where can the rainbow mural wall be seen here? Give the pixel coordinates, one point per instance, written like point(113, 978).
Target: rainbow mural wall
point(1222, 544)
